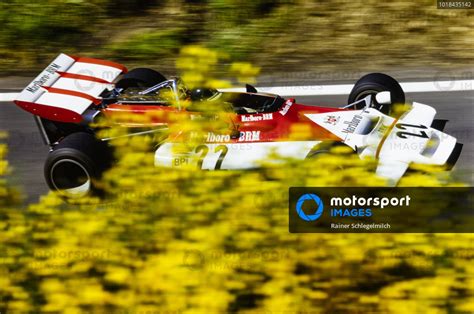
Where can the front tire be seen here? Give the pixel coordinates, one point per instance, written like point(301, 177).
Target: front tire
point(75, 164)
point(324, 148)
point(374, 83)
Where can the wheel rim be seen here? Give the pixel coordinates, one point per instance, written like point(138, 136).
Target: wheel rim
point(366, 93)
point(372, 93)
point(70, 178)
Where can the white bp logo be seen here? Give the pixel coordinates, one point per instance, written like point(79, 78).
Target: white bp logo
point(317, 203)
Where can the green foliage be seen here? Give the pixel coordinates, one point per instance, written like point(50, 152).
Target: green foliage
point(276, 35)
point(33, 30)
point(148, 44)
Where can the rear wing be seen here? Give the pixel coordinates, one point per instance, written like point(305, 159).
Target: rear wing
point(68, 87)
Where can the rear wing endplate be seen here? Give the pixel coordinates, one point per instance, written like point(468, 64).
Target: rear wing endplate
point(68, 87)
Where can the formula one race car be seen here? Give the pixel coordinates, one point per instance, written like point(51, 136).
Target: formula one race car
point(73, 92)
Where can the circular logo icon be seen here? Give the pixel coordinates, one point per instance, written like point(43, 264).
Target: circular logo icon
point(309, 197)
point(444, 85)
point(80, 83)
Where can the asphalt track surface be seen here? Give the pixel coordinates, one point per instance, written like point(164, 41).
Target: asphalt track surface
point(27, 152)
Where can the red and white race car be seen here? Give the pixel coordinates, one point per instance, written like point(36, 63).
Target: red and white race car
point(73, 92)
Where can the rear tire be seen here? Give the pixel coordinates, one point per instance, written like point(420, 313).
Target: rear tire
point(140, 77)
point(374, 83)
point(76, 163)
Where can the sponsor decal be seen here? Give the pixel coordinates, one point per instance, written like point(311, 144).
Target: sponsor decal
point(50, 70)
point(249, 136)
point(211, 137)
point(252, 118)
point(352, 125)
point(197, 117)
point(287, 107)
point(332, 120)
point(179, 161)
point(245, 136)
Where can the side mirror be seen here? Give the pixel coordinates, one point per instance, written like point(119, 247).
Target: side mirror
point(383, 98)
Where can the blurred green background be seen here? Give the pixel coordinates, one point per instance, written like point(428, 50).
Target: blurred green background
point(279, 36)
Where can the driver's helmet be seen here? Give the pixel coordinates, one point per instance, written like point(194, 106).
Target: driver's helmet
point(200, 94)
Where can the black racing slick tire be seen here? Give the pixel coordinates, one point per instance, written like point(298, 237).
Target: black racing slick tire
point(324, 148)
point(140, 77)
point(75, 164)
point(374, 83)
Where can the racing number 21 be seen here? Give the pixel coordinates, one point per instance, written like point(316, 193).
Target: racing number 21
point(404, 134)
point(204, 150)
